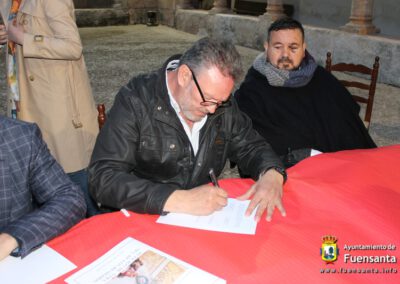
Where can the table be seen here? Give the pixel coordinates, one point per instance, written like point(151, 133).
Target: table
point(352, 195)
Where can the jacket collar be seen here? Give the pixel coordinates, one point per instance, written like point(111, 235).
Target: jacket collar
point(3, 146)
point(3, 126)
point(163, 111)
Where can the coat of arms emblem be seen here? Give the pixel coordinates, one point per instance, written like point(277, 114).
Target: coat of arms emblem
point(329, 250)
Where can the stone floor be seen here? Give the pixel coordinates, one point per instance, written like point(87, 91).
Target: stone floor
point(115, 54)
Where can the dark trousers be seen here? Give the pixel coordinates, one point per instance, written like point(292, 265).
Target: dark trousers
point(81, 179)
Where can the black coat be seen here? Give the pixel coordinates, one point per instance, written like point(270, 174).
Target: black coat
point(321, 115)
point(143, 154)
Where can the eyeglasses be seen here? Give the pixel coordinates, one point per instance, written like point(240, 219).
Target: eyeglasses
point(208, 103)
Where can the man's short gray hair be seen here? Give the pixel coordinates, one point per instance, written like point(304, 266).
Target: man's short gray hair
point(208, 52)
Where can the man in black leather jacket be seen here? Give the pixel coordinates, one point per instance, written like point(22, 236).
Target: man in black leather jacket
point(167, 129)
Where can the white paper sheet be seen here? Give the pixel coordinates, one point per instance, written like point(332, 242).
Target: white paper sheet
point(230, 219)
point(132, 261)
point(41, 266)
point(315, 152)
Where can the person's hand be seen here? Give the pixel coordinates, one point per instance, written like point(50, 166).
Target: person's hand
point(7, 245)
point(3, 34)
point(16, 32)
point(201, 200)
point(267, 194)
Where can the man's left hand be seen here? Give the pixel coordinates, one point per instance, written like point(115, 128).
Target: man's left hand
point(267, 194)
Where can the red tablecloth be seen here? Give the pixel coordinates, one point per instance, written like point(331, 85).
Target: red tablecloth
point(353, 195)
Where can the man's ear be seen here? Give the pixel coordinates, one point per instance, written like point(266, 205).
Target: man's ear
point(184, 75)
point(304, 49)
point(266, 45)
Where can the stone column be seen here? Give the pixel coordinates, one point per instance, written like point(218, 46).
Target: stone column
point(220, 7)
point(274, 10)
point(361, 18)
point(185, 4)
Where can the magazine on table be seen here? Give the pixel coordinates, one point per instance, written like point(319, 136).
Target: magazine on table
point(132, 261)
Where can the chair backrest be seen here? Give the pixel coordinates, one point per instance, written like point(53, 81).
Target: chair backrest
point(358, 68)
point(101, 117)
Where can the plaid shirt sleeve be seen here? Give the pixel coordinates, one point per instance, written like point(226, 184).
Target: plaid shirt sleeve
point(60, 202)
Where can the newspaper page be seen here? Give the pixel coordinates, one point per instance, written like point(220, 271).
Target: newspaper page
point(134, 262)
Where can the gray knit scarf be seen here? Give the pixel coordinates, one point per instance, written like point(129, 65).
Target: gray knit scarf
point(286, 78)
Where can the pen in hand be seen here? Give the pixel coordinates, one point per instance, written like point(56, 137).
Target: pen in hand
point(222, 196)
point(213, 177)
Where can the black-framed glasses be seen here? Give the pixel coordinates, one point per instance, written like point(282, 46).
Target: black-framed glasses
point(205, 102)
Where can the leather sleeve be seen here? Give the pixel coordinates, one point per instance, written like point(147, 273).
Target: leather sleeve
point(112, 178)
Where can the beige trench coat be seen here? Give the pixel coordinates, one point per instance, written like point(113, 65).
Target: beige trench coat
point(54, 86)
point(5, 7)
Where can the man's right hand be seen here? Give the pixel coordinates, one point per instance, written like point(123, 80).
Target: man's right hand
point(201, 200)
point(7, 245)
point(3, 34)
point(15, 32)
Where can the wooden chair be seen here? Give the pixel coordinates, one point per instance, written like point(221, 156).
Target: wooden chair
point(353, 68)
point(101, 117)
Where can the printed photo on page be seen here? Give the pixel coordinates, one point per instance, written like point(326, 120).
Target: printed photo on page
point(150, 267)
point(134, 262)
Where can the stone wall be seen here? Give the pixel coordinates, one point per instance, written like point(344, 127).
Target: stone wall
point(166, 10)
point(336, 13)
point(322, 13)
point(101, 17)
point(137, 10)
point(250, 32)
point(84, 4)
